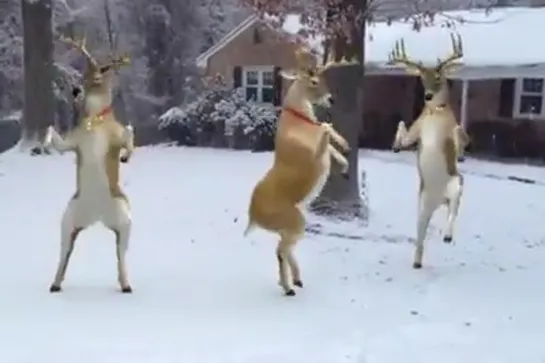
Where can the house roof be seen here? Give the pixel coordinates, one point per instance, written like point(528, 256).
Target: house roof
point(202, 59)
point(504, 37)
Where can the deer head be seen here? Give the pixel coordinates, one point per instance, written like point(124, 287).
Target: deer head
point(434, 79)
point(308, 78)
point(97, 82)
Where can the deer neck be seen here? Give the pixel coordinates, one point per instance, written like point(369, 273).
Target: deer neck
point(97, 109)
point(297, 100)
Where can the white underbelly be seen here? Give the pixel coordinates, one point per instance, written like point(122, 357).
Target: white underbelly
point(433, 169)
point(94, 187)
point(322, 180)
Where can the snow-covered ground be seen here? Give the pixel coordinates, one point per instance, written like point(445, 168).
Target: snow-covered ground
point(203, 293)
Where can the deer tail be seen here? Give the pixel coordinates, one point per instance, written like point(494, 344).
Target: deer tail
point(249, 228)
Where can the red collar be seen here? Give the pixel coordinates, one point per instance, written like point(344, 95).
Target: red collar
point(104, 112)
point(301, 116)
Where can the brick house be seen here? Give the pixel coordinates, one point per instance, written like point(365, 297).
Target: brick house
point(498, 94)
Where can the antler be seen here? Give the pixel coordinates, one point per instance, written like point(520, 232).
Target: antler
point(304, 59)
point(116, 63)
point(457, 51)
point(399, 55)
point(81, 46)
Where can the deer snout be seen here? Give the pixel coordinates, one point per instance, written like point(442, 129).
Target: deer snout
point(330, 99)
point(428, 96)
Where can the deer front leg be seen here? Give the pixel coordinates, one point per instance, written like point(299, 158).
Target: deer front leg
point(335, 154)
point(128, 143)
point(53, 139)
point(337, 138)
point(461, 140)
point(404, 138)
point(323, 143)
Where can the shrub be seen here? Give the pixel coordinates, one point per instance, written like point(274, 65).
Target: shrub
point(223, 111)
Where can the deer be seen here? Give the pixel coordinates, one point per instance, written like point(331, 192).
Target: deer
point(301, 163)
point(100, 143)
point(440, 142)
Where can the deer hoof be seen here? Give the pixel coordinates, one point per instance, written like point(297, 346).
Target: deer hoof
point(396, 150)
point(290, 292)
point(447, 239)
point(298, 283)
point(417, 265)
point(54, 288)
point(124, 159)
point(461, 159)
point(126, 290)
point(345, 175)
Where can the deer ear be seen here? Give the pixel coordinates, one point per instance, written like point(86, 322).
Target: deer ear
point(412, 70)
point(451, 68)
point(289, 75)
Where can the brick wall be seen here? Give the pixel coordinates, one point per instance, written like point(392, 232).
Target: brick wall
point(243, 51)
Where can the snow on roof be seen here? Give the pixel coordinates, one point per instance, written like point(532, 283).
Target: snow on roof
point(506, 36)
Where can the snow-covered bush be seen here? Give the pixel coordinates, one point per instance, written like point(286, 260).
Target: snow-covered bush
point(221, 112)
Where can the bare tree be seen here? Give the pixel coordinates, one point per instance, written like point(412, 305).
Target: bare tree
point(343, 24)
point(38, 110)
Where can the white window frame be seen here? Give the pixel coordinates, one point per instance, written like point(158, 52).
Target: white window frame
point(260, 86)
point(519, 93)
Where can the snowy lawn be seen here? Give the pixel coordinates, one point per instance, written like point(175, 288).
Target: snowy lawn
point(203, 293)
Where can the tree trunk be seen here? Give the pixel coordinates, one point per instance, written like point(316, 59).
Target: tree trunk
point(341, 197)
point(118, 98)
point(39, 108)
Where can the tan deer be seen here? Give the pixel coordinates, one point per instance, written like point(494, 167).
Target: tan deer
point(301, 164)
point(97, 141)
point(440, 141)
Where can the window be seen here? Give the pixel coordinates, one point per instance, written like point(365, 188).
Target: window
point(529, 98)
point(257, 36)
point(258, 83)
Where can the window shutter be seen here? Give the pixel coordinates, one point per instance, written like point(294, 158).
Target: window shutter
point(507, 95)
point(237, 76)
point(277, 87)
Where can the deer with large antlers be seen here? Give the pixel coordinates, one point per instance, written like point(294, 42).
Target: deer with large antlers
point(301, 164)
point(441, 140)
point(100, 143)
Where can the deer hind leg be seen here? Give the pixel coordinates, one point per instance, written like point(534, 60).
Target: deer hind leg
point(454, 195)
point(428, 203)
point(339, 158)
point(69, 233)
point(120, 223)
point(287, 263)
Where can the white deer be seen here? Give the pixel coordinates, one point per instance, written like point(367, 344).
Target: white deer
point(301, 164)
point(97, 141)
point(440, 141)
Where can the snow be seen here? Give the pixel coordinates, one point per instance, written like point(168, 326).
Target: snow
point(11, 117)
point(203, 293)
point(488, 40)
